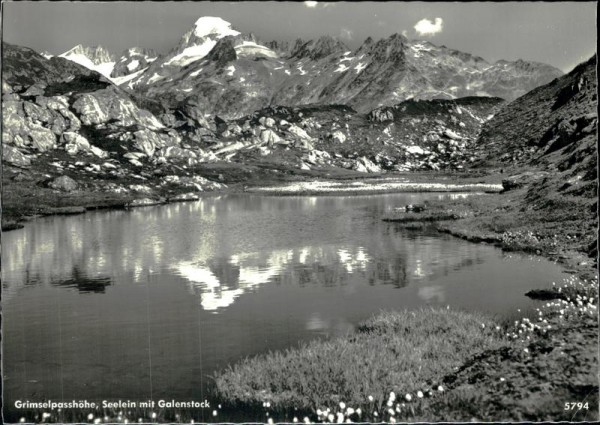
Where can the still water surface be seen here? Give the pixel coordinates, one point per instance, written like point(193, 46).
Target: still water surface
point(149, 303)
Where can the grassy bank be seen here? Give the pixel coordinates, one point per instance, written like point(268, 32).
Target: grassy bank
point(435, 365)
point(404, 352)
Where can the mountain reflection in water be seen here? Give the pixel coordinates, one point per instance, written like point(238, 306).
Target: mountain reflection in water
point(91, 251)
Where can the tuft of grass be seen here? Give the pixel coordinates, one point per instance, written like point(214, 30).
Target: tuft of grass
point(404, 351)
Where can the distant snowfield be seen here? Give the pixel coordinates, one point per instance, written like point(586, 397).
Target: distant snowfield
point(103, 68)
point(126, 78)
point(192, 54)
point(374, 186)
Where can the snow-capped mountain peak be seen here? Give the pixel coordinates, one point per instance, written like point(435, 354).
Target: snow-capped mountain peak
point(215, 26)
point(199, 41)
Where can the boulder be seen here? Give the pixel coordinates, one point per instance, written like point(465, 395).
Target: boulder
point(190, 196)
point(147, 141)
point(300, 133)
point(37, 113)
point(269, 136)
point(42, 139)
point(75, 143)
point(451, 134)
point(145, 202)
point(338, 137)
point(269, 122)
point(364, 165)
point(63, 183)
point(98, 152)
point(91, 110)
point(14, 156)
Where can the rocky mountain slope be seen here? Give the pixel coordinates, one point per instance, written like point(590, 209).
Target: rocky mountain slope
point(73, 130)
point(132, 61)
point(546, 144)
point(414, 135)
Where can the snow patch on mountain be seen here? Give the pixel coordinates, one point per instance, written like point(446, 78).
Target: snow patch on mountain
point(155, 78)
point(341, 68)
point(360, 67)
point(133, 65)
point(127, 78)
point(192, 53)
point(250, 48)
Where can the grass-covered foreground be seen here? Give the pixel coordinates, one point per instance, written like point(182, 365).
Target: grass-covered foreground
point(404, 352)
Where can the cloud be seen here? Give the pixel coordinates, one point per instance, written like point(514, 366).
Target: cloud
point(311, 4)
point(405, 33)
point(427, 28)
point(346, 34)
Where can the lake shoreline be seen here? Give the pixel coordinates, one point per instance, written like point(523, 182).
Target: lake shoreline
point(22, 203)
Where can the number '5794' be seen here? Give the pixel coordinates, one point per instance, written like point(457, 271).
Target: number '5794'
point(576, 406)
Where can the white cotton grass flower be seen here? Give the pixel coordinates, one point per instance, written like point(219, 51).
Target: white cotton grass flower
point(349, 411)
point(340, 418)
point(390, 403)
point(153, 415)
point(306, 420)
point(370, 398)
point(331, 417)
point(214, 413)
point(408, 397)
point(270, 421)
point(440, 388)
point(420, 394)
point(358, 411)
point(90, 416)
point(392, 395)
point(391, 412)
point(295, 420)
point(342, 405)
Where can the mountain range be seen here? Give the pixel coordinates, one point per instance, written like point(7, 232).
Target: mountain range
point(225, 72)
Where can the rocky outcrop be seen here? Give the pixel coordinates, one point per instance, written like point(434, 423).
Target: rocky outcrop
point(63, 183)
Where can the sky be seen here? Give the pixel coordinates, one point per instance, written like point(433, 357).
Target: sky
point(561, 34)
